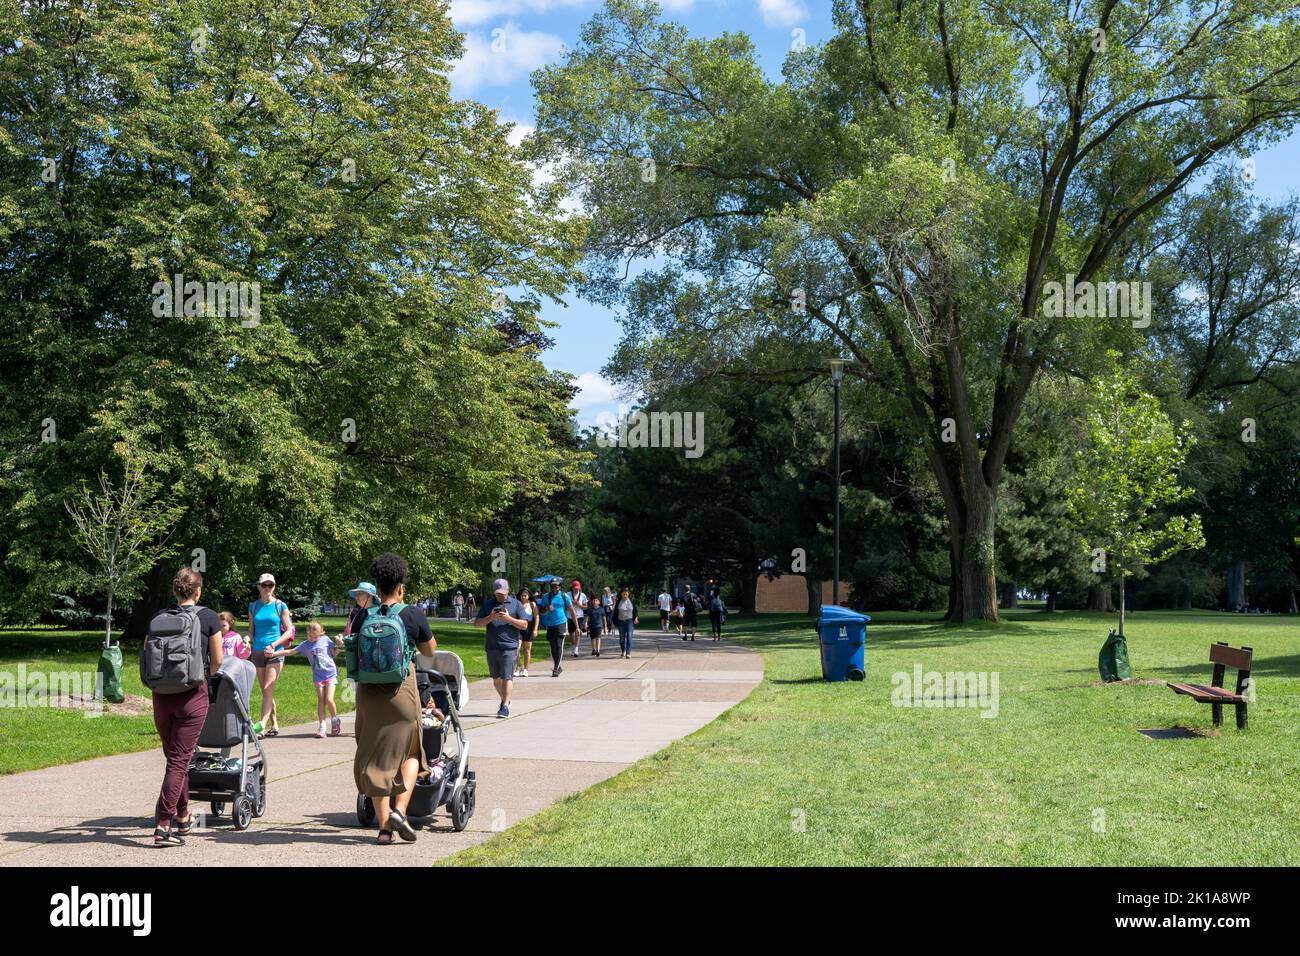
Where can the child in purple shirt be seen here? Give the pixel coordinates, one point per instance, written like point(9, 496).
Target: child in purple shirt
point(320, 651)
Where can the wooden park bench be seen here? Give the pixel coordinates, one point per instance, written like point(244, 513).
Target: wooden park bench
point(1216, 695)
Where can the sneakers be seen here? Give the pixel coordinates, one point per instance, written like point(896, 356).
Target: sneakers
point(320, 731)
point(336, 726)
point(503, 711)
point(523, 672)
point(517, 672)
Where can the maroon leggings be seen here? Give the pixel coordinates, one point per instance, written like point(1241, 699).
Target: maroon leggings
point(179, 719)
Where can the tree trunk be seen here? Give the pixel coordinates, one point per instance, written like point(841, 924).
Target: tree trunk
point(814, 594)
point(1290, 593)
point(1121, 605)
point(1099, 598)
point(1236, 576)
point(156, 596)
point(978, 581)
point(1050, 606)
point(954, 583)
point(108, 621)
point(1007, 595)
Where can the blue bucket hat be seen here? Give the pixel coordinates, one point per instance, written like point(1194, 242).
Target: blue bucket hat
point(367, 587)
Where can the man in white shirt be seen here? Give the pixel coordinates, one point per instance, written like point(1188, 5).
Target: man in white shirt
point(665, 608)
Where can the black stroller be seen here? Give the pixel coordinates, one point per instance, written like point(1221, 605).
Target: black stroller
point(217, 776)
point(450, 783)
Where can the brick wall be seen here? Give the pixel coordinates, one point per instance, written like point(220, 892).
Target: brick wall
point(789, 593)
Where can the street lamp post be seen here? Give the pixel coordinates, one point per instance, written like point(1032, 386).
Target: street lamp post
point(837, 375)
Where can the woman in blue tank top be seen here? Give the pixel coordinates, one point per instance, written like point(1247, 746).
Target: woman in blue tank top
point(270, 627)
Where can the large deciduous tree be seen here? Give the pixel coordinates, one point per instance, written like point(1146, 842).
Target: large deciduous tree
point(905, 191)
point(399, 246)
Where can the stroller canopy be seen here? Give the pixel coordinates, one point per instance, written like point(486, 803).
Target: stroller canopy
point(450, 666)
point(228, 720)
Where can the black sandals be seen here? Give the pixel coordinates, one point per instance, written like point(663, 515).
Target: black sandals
point(163, 837)
point(401, 825)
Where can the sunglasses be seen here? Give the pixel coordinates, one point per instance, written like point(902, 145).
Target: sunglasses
point(266, 585)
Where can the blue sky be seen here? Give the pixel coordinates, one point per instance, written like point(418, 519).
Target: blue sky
point(529, 34)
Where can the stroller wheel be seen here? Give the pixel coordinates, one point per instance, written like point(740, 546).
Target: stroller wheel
point(259, 805)
point(218, 808)
point(462, 808)
point(365, 810)
point(242, 812)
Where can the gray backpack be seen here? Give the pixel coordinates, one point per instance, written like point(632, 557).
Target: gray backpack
point(172, 660)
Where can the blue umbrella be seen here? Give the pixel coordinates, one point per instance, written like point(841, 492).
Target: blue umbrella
point(547, 579)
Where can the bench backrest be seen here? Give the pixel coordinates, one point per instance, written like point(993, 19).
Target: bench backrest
point(1238, 657)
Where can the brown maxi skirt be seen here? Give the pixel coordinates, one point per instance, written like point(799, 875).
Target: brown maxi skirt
point(388, 732)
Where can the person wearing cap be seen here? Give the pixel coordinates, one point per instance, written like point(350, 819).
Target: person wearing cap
point(367, 596)
point(503, 617)
point(555, 609)
point(271, 627)
point(577, 623)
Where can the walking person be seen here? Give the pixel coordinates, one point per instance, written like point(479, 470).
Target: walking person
point(607, 601)
point(665, 609)
point(595, 622)
point(458, 605)
point(626, 614)
point(578, 622)
point(717, 613)
point(690, 612)
point(366, 597)
point(470, 604)
point(389, 755)
point(271, 627)
point(528, 634)
point(557, 614)
point(503, 617)
point(179, 712)
point(319, 649)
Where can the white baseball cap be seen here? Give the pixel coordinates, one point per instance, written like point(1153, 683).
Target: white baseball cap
point(266, 578)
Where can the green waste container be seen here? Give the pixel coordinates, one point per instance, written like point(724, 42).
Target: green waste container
point(110, 665)
point(1113, 659)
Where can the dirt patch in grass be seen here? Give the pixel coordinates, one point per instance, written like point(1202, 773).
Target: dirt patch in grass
point(132, 706)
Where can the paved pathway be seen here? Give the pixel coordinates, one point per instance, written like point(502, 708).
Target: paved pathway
point(564, 735)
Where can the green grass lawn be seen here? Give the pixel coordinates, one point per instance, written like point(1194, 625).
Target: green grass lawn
point(804, 772)
point(41, 736)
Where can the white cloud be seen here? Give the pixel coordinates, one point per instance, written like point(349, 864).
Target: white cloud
point(593, 390)
point(470, 13)
point(503, 56)
point(519, 133)
point(781, 13)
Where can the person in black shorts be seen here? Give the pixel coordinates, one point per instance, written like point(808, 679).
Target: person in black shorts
point(690, 610)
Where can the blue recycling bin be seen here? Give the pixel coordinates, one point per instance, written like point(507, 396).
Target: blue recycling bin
point(843, 637)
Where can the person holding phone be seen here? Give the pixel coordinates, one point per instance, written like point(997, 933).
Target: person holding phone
point(503, 617)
